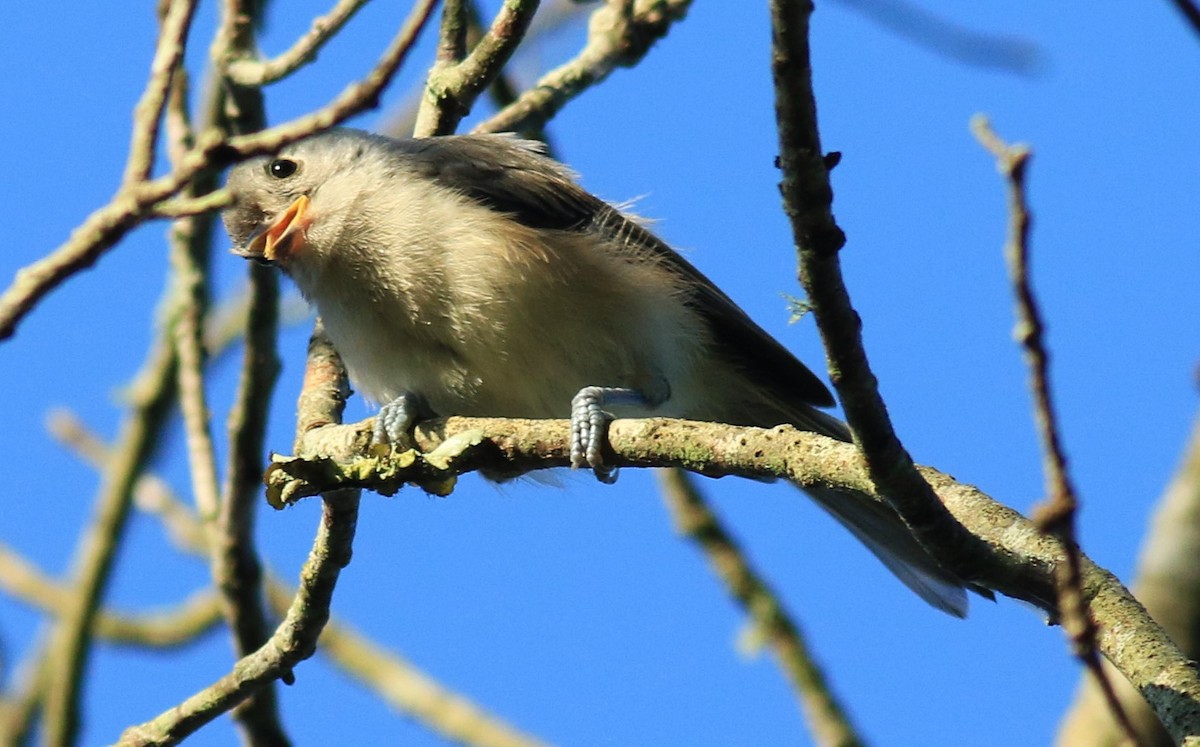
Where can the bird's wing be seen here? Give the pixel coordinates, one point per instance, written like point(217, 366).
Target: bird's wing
point(512, 176)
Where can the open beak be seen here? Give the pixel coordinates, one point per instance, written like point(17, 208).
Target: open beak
point(282, 238)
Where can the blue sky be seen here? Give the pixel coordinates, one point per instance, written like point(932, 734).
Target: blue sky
point(575, 612)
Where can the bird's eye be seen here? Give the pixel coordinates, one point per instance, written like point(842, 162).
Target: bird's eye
point(282, 168)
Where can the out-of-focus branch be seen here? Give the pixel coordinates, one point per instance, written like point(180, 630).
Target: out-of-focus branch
point(619, 35)
point(408, 690)
point(134, 203)
point(247, 71)
point(151, 396)
point(1190, 12)
point(1168, 584)
point(948, 39)
point(1057, 515)
point(828, 721)
point(293, 641)
point(193, 617)
point(405, 687)
point(453, 86)
point(151, 493)
point(19, 709)
point(151, 399)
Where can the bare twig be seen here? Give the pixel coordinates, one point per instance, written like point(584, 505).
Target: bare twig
point(249, 72)
point(453, 87)
point(321, 400)
point(189, 249)
point(167, 63)
point(807, 197)
point(619, 35)
point(829, 722)
point(1058, 515)
point(18, 711)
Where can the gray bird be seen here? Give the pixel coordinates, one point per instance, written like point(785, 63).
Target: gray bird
point(471, 275)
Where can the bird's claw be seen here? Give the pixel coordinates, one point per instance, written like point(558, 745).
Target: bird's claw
point(394, 423)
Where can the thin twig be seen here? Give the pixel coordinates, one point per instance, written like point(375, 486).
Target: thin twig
point(452, 88)
point(249, 72)
point(167, 62)
point(235, 566)
point(828, 721)
point(807, 197)
point(1057, 516)
point(1170, 589)
point(321, 400)
point(189, 248)
point(619, 35)
point(181, 207)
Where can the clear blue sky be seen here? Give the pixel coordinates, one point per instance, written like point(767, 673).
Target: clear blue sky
point(576, 613)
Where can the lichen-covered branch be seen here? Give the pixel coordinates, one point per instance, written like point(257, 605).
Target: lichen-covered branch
point(1013, 556)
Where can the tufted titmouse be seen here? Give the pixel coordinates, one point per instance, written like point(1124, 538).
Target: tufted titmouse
point(470, 275)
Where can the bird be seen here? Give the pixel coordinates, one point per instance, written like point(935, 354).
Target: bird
point(472, 275)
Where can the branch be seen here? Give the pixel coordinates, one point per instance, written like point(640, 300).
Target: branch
point(293, 641)
point(1169, 587)
point(246, 71)
point(1057, 516)
point(152, 397)
point(1010, 554)
point(193, 617)
point(453, 86)
point(620, 34)
point(404, 686)
point(828, 721)
point(167, 63)
point(807, 197)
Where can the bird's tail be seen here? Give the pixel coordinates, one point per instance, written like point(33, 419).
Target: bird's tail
point(881, 529)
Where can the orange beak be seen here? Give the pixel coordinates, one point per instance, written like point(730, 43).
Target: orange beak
point(283, 238)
